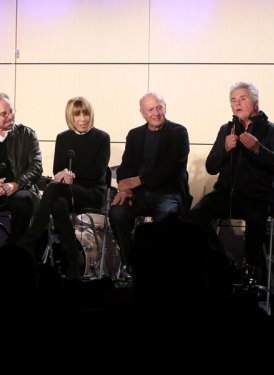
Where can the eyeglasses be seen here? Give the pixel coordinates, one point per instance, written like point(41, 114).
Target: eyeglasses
point(5, 114)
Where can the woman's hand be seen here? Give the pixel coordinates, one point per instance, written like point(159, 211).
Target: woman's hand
point(64, 176)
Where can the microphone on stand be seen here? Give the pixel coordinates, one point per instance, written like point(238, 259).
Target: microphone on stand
point(233, 168)
point(71, 155)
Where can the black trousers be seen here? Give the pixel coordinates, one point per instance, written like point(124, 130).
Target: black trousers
point(21, 205)
point(60, 200)
point(223, 204)
point(122, 217)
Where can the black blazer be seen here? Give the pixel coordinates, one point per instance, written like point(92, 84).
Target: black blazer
point(169, 173)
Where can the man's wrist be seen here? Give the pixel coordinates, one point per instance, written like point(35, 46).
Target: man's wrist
point(256, 149)
point(128, 192)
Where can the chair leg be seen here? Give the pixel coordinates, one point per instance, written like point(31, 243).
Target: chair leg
point(107, 245)
point(48, 253)
point(101, 247)
point(269, 275)
point(218, 224)
point(103, 250)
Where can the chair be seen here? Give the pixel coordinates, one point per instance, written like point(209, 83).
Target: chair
point(98, 223)
point(93, 233)
point(269, 259)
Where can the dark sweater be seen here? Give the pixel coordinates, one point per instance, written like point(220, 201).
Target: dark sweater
point(92, 153)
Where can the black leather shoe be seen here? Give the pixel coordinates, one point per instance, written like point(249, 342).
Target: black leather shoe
point(72, 273)
point(125, 273)
point(71, 282)
point(248, 279)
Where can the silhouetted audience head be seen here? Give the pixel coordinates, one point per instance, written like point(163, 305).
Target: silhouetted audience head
point(18, 274)
point(174, 263)
point(26, 284)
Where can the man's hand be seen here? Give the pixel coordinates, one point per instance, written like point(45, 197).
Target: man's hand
point(125, 190)
point(121, 196)
point(8, 188)
point(250, 142)
point(129, 183)
point(231, 141)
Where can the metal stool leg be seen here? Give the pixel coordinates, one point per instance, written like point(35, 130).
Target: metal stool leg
point(103, 249)
point(268, 285)
point(48, 253)
point(100, 247)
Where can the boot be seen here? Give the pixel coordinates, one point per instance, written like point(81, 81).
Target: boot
point(248, 279)
point(75, 263)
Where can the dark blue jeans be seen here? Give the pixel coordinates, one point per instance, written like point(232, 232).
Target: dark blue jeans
point(122, 217)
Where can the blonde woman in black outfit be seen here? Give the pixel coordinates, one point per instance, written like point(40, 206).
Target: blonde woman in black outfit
point(80, 161)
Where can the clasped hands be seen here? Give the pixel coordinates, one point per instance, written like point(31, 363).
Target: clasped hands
point(250, 142)
point(125, 190)
point(65, 176)
point(7, 188)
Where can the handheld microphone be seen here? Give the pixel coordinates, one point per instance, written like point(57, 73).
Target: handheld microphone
point(235, 121)
point(71, 154)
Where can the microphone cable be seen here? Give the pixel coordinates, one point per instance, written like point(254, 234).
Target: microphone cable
point(233, 124)
point(71, 155)
point(233, 177)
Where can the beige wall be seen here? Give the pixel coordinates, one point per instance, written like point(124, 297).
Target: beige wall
point(113, 51)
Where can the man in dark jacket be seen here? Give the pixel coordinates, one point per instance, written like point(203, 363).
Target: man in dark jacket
point(243, 156)
point(152, 178)
point(20, 169)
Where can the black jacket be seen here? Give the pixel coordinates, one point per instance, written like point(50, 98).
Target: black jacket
point(169, 173)
point(24, 156)
point(240, 169)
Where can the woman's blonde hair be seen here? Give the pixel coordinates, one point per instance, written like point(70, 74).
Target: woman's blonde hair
point(78, 105)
